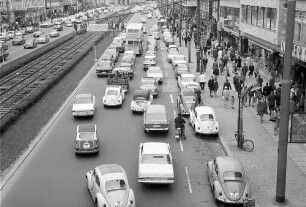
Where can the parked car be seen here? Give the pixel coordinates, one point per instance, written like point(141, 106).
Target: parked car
point(84, 105)
point(18, 40)
point(114, 96)
point(108, 186)
point(155, 165)
point(42, 39)
point(131, 54)
point(37, 33)
point(186, 101)
point(58, 26)
point(54, 33)
point(104, 67)
point(30, 43)
point(171, 51)
point(30, 29)
point(108, 56)
point(11, 34)
point(157, 73)
point(87, 139)
point(118, 42)
point(149, 61)
point(149, 84)
point(203, 120)
point(46, 25)
point(114, 52)
point(228, 181)
point(4, 36)
point(127, 58)
point(3, 45)
point(141, 99)
point(186, 79)
point(151, 53)
point(155, 118)
point(181, 68)
point(177, 58)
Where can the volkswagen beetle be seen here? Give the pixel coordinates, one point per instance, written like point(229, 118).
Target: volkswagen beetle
point(114, 96)
point(109, 187)
point(228, 180)
point(141, 99)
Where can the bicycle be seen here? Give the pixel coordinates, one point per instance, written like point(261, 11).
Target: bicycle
point(247, 145)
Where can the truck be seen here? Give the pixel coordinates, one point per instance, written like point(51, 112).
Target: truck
point(134, 37)
point(120, 79)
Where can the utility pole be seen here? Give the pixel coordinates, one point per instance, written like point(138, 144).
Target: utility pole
point(198, 34)
point(285, 105)
point(8, 13)
point(51, 11)
point(173, 19)
point(180, 32)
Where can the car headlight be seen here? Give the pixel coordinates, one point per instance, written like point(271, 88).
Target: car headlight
point(104, 100)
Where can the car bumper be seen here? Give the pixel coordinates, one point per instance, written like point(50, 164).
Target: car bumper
point(86, 151)
point(227, 201)
point(156, 128)
point(203, 132)
point(156, 180)
point(103, 72)
point(83, 113)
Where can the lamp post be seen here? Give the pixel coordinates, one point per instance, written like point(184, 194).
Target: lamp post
point(173, 19)
point(180, 29)
point(198, 35)
point(240, 114)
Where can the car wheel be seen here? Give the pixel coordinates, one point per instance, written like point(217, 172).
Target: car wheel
point(146, 131)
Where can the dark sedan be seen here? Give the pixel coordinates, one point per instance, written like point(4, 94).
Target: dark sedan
point(18, 40)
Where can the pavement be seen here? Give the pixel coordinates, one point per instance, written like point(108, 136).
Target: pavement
point(261, 163)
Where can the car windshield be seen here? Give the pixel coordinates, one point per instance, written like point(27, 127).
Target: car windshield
point(83, 101)
point(140, 98)
point(86, 136)
point(232, 176)
point(149, 59)
point(147, 83)
point(126, 64)
point(155, 159)
point(182, 67)
point(173, 51)
point(104, 64)
point(206, 117)
point(187, 79)
point(112, 92)
point(154, 71)
point(189, 99)
point(114, 185)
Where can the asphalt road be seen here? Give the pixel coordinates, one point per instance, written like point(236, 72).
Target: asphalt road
point(53, 176)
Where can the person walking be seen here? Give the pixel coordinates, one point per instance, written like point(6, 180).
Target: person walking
point(259, 81)
point(244, 70)
point(216, 87)
point(227, 85)
point(205, 61)
point(211, 86)
point(198, 92)
point(232, 102)
point(251, 69)
point(271, 103)
point(202, 80)
point(261, 108)
point(225, 95)
point(215, 68)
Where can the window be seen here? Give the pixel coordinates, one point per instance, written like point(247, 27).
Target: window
point(303, 35)
point(298, 25)
point(260, 18)
point(249, 15)
point(243, 13)
point(267, 20)
point(273, 18)
point(97, 180)
point(254, 14)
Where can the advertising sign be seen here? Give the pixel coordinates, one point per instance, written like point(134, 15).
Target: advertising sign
point(298, 128)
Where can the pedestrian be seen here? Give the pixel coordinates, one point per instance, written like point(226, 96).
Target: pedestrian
point(236, 82)
point(202, 80)
point(215, 68)
point(186, 40)
point(261, 108)
point(238, 63)
point(198, 92)
point(266, 90)
point(226, 69)
point(225, 95)
point(301, 102)
point(216, 87)
point(221, 65)
point(251, 69)
point(211, 86)
point(244, 69)
point(271, 103)
point(232, 101)
point(205, 61)
point(259, 81)
point(256, 69)
point(227, 85)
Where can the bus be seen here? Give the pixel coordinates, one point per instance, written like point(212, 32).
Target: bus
point(134, 37)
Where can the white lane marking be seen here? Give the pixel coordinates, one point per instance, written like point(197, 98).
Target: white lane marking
point(174, 113)
point(188, 180)
point(171, 97)
point(181, 146)
point(166, 73)
point(13, 51)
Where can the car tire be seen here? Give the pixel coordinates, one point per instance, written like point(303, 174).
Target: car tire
point(146, 131)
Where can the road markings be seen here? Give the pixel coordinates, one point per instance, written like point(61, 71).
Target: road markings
point(174, 113)
point(166, 73)
point(13, 51)
point(181, 146)
point(171, 97)
point(188, 180)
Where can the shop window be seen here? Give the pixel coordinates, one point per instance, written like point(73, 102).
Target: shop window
point(260, 19)
point(249, 15)
point(254, 14)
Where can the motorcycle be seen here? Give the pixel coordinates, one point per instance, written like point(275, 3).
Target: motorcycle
point(178, 134)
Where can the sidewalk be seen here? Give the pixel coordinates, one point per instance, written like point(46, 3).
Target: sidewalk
point(261, 163)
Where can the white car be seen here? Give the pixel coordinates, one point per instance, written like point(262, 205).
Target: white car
point(155, 72)
point(83, 105)
point(149, 61)
point(176, 58)
point(186, 79)
point(141, 99)
point(114, 96)
point(54, 33)
point(203, 120)
point(149, 84)
point(109, 187)
point(155, 163)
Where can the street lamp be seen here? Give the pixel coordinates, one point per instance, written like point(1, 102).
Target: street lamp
point(198, 35)
point(240, 132)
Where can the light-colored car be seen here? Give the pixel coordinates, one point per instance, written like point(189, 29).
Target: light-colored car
point(155, 165)
point(18, 40)
point(176, 58)
point(54, 33)
point(109, 186)
point(186, 100)
point(151, 53)
point(46, 25)
point(123, 37)
point(130, 66)
point(119, 44)
point(141, 99)
point(186, 78)
point(84, 105)
point(155, 118)
point(87, 139)
point(42, 39)
point(108, 56)
point(114, 52)
point(4, 36)
point(37, 33)
point(203, 120)
point(171, 51)
point(149, 84)
point(104, 67)
point(228, 180)
point(114, 96)
point(149, 61)
point(30, 43)
point(11, 34)
point(181, 68)
point(30, 29)
point(155, 72)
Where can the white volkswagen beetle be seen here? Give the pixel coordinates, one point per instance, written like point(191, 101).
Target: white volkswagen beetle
point(155, 163)
point(114, 96)
point(109, 187)
point(203, 120)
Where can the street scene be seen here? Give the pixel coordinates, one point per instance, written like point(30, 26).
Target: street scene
point(155, 103)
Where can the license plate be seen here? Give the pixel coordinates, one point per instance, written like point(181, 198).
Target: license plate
point(156, 125)
point(85, 146)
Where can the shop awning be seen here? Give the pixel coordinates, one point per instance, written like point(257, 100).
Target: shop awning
point(231, 31)
point(262, 43)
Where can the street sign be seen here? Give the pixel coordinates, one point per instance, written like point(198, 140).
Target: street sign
point(110, 25)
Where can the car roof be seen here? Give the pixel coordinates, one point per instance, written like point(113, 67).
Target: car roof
point(172, 46)
point(188, 92)
point(113, 87)
point(154, 68)
point(83, 96)
point(185, 75)
point(181, 62)
point(110, 169)
point(156, 108)
point(148, 79)
point(141, 92)
point(205, 109)
point(226, 164)
point(155, 148)
point(86, 128)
